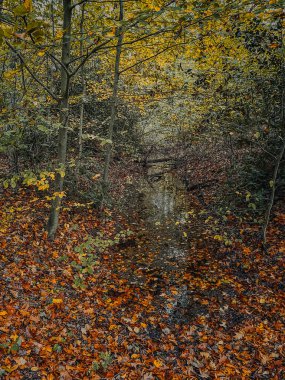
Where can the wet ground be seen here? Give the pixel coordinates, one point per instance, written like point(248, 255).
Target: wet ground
point(162, 256)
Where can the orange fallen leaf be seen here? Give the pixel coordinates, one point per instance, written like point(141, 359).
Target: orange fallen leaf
point(47, 348)
point(57, 300)
point(157, 363)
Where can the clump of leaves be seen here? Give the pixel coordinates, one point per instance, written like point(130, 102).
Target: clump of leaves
point(104, 362)
point(214, 224)
point(79, 282)
point(88, 254)
point(106, 359)
point(16, 345)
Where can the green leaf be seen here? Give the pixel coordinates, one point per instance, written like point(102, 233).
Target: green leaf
point(57, 348)
point(15, 347)
point(13, 183)
point(252, 205)
point(2, 372)
point(42, 128)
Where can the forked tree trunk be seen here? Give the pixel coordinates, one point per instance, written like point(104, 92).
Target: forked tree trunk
point(64, 116)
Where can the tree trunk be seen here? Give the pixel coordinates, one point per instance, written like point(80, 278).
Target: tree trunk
point(119, 33)
point(276, 168)
point(83, 84)
point(64, 116)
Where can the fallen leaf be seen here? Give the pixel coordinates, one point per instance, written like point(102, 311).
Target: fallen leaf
point(57, 300)
point(157, 363)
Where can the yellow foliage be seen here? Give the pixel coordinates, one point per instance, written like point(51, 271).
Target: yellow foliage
point(28, 5)
point(59, 194)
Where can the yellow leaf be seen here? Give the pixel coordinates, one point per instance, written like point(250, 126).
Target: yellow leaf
point(109, 34)
point(157, 363)
point(2, 313)
point(10, 74)
point(59, 194)
point(41, 53)
point(57, 300)
point(14, 337)
point(59, 34)
point(11, 369)
point(28, 5)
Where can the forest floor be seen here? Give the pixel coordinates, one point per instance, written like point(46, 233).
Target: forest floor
point(216, 314)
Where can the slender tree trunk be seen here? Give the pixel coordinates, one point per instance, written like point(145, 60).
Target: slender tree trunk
point(64, 116)
point(119, 33)
point(52, 18)
point(273, 191)
point(278, 161)
point(83, 84)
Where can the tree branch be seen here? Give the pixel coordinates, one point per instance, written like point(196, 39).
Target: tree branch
point(98, 47)
point(19, 55)
point(148, 58)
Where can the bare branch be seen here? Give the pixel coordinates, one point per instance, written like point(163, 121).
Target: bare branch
point(149, 58)
point(19, 55)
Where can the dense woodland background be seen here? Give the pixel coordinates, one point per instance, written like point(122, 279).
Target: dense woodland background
point(92, 94)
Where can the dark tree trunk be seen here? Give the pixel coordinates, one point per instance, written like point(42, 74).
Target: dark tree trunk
point(64, 116)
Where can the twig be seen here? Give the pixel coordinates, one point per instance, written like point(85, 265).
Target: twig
point(273, 191)
point(31, 72)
